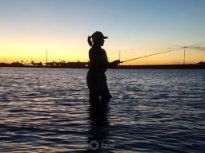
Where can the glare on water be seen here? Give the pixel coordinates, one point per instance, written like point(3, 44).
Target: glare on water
point(48, 110)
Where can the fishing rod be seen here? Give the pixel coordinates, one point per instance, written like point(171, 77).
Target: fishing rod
point(159, 53)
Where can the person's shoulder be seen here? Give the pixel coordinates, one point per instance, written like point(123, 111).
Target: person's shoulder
point(91, 49)
point(103, 49)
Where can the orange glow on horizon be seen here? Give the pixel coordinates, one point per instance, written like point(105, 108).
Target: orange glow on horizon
point(58, 51)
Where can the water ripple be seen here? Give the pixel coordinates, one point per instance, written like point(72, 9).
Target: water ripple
point(48, 110)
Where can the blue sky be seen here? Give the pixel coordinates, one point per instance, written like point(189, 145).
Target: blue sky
point(138, 27)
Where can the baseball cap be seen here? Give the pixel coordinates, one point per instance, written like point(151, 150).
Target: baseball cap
point(98, 35)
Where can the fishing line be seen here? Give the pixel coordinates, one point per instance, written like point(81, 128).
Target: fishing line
point(159, 53)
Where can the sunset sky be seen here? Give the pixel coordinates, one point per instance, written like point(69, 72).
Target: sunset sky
point(135, 27)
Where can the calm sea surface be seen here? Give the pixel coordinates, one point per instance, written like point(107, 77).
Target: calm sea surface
point(48, 110)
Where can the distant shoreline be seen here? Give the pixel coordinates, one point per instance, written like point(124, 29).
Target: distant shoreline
point(190, 66)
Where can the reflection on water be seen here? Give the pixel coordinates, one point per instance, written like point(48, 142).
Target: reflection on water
point(99, 126)
point(48, 110)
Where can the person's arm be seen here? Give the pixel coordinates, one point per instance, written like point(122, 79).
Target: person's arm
point(102, 59)
point(111, 64)
point(98, 60)
point(114, 63)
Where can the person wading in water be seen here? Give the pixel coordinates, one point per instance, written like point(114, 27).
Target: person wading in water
point(96, 78)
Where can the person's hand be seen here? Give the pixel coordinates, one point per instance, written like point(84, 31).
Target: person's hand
point(116, 62)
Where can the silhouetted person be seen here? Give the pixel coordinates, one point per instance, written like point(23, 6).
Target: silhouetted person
point(96, 78)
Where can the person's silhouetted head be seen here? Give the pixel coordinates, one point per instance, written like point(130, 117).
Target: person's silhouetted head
point(97, 39)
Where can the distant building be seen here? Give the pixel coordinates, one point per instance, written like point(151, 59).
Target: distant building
point(38, 64)
point(17, 64)
point(4, 64)
point(69, 64)
point(201, 63)
point(77, 64)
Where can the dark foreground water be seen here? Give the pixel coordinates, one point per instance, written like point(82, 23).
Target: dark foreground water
point(48, 110)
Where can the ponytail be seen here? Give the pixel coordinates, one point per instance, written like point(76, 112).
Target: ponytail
point(89, 41)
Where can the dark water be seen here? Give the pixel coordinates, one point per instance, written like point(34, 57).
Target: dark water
point(48, 110)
